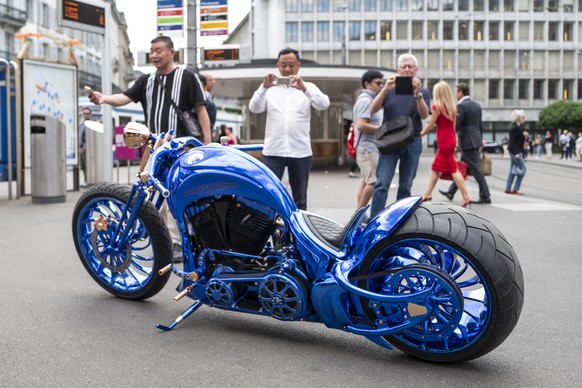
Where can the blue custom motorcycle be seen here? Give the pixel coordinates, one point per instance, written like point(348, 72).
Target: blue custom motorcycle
point(434, 280)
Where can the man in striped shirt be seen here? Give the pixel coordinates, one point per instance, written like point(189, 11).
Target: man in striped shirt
point(155, 90)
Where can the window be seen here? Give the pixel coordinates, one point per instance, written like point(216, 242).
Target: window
point(385, 30)
point(508, 5)
point(538, 89)
point(323, 5)
point(509, 60)
point(307, 31)
point(553, 5)
point(493, 30)
point(402, 30)
point(538, 5)
point(538, 31)
point(539, 61)
point(449, 59)
point(568, 60)
point(524, 60)
point(508, 30)
point(433, 5)
point(523, 31)
point(478, 28)
point(354, 5)
point(524, 5)
point(553, 31)
point(339, 6)
point(401, 5)
point(417, 30)
point(370, 30)
point(385, 5)
point(494, 5)
point(291, 6)
point(448, 30)
point(416, 5)
point(494, 61)
point(355, 30)
point(291, 34)
point(464, 60)
point(433, 29)
point(479, 61)
point(307, 5)
point(568, 31)
point(508, 86)
point(369, 5)
point(553, 89)
point(323, 31)
point(463, 30)
point(568, 89)
point(45, 16)
point(478, 90)
point(493, 89)
point(433, 57)
point(448, 5)
point(463, 5)
point(338, 31)
point(523, 86)
point(478, 5)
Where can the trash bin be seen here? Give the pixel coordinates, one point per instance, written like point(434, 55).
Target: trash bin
point(95, 153)
point(48, 169)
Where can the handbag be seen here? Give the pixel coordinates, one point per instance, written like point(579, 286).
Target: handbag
point(486, 164)
point(395, 134)
point(461, 166)
point(191, 125)
point(517, 171)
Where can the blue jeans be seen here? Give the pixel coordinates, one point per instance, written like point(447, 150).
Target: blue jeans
point(519, 163)
point(409, 157)
point(298, 169)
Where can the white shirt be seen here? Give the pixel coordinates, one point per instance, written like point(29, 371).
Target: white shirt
point(288, 118)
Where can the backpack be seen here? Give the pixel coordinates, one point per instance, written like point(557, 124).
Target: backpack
point(350, 143)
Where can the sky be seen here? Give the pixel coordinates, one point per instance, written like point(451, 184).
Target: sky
point(141, 23)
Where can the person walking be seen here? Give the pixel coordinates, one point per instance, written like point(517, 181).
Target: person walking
point(469, 127)
point(548, 144)
point(578, 145)
point(538, 145)
point(563, 144)
point(87, 115)
point(517, 167)
point(443, 114)
point(366, 124)
point(415, 105)
point(288, 102)
point(155, 91)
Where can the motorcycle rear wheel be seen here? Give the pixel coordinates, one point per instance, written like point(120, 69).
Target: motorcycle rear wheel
point(129, 272)
point(465, 251)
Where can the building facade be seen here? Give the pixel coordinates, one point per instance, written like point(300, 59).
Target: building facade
point(41, 17)
point(512, 53)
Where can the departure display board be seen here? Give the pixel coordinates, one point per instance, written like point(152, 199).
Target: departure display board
point(83, 16)
point(227, 54)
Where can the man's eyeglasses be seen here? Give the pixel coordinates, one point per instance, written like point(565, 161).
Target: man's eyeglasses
point(378, 83)
point(407, 67)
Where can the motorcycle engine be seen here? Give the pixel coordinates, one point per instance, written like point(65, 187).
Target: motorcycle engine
point(231, 223)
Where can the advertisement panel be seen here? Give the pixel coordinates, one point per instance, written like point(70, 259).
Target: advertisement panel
point(213, 17)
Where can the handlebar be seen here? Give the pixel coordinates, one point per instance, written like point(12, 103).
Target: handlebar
point(159, 187)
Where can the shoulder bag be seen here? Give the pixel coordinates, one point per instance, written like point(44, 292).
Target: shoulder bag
point(191, 125)
point(395, 134)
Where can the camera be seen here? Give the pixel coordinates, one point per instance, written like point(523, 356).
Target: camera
point(88, 90)
point(283, 81)
point(404, 85)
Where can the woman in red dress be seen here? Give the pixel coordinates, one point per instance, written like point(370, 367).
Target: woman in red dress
point(443, 115)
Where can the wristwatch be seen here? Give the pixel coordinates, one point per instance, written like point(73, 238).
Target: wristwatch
point(418, 97)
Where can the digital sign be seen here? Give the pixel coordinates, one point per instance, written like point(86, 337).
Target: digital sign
point(83, 16)
point(226, 54)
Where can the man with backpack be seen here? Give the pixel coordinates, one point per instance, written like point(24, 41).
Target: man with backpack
point(365, 125)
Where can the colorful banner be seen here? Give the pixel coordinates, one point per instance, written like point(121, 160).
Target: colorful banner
point(213, 17)
point(170, 18)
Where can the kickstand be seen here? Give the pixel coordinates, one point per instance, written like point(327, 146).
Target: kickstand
point(181, 317)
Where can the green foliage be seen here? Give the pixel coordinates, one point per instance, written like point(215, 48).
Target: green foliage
point(561, 115)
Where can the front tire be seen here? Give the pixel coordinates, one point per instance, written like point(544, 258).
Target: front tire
point(466, 252)
point(131, 271)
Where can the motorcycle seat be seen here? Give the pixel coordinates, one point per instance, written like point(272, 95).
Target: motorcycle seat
point(330, 232)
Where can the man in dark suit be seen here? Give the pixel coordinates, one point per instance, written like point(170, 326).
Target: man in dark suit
point(469, 129)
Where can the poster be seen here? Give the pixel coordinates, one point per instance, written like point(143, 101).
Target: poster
point(50, 89)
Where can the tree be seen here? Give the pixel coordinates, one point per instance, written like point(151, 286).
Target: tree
point(561, 115)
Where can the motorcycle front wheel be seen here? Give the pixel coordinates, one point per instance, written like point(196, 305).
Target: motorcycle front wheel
point(129, 271)
point(473, 274)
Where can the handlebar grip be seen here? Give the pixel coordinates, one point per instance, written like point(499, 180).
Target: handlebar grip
point(159, 187)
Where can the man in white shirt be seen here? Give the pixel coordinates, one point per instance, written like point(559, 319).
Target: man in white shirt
point(288, 101)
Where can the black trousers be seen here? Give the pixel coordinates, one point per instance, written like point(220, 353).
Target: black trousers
point(298, 169)
point(471, 157)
